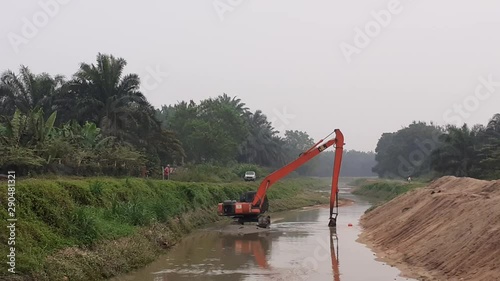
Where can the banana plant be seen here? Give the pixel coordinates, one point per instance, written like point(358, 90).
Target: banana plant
point(15, 148)
point(41, 128)
point(90, 134)
point(14, 129)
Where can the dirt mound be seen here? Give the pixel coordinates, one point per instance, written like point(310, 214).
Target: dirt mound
point(449, 230)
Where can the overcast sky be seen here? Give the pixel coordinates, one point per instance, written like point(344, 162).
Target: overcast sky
point(366, 67)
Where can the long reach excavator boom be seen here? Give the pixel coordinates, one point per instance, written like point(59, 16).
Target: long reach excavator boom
point(252, 205)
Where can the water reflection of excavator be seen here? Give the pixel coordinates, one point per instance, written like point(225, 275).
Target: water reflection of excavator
point(252, 247)
point(255, 245)
point(334, 252)
point(252, 205)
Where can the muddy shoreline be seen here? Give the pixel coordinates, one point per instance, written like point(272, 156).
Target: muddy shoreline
point(394, 259)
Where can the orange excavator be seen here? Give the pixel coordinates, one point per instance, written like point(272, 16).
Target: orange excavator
point(252, 205)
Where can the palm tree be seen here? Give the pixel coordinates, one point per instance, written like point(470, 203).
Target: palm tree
point(166, 146)
point(459, 153)
point(489, 137)
point(494, 124)
point(233, 102)
point(165, 115)
point(262, 146)
point(109, 98)
point(28, 92)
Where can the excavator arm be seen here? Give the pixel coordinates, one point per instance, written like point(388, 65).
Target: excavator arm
point(334, 195)
point(316, 149)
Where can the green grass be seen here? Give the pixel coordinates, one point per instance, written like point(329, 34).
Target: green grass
point(215, 173)
point(68, 227)
point(359, 182)
point(380, 191)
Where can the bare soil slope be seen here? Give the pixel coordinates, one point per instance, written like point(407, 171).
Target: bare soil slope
point(449, 230)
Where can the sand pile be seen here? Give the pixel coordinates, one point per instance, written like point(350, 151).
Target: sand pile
point(449, 230)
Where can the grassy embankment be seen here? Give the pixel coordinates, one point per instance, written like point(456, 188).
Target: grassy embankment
point(96, 228)
point(380, 191)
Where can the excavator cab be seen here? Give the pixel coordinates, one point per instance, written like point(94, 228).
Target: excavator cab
point(250, 195)
point(247, 196)
point(241, 210)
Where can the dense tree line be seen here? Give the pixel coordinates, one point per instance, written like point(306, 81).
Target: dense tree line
point(422, 149)
point(96, 123)
point(407, 152)
point(99, 123)
point(231, 132)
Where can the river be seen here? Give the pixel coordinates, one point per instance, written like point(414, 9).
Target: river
point(298, 246)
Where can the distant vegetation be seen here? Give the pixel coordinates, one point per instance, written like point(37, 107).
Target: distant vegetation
point(99, 123)
point(428, 151)
point(354, 164)
point(383, 190)
point(379, 191)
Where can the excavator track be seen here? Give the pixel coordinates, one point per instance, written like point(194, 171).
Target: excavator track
point(264, 221)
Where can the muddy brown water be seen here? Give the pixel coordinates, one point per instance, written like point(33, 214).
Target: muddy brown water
point(298, 246)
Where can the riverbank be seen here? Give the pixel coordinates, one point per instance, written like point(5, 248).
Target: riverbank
point(382, 190)
point(96, 228)
point(445, 231)
point(299, 246)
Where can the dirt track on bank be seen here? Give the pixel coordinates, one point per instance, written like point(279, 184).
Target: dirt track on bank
point(449, 230)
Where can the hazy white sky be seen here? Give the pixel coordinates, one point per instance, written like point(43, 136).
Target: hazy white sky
point(422, 60)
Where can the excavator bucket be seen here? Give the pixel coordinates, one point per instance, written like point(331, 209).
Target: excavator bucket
point(333, 223)
point(333, 215)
